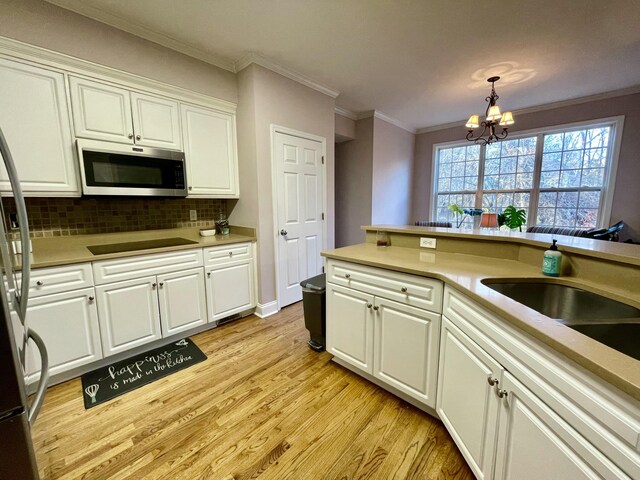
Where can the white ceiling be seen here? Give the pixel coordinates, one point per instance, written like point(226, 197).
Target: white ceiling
point(422, 62)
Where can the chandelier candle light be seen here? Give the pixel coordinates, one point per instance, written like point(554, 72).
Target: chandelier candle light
point(493, 118)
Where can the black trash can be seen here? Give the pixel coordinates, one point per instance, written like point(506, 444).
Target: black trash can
point(314, 301)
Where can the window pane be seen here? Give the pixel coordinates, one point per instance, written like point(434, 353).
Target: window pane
point(597, 137)
point(549, 179)
point(589, 200)
point(569, 178)
point(574, 140)
point(593, 177)
point(551, 161)
point(457, 169)
point(553, 143)
point(511, 165)
point(572, 209)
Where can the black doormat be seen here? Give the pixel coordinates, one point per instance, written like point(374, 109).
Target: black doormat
point(108, 382)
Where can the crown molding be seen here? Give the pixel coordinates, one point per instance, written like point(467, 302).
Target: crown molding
point(546, 106)
point(346, 113)
point(269, 64)
point(24, 52)
point(387, 118)
point(146, 33)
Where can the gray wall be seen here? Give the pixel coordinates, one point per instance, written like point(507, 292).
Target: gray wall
point(626, 200)
point(48, 26)
point(345, 128)
point(276, 100)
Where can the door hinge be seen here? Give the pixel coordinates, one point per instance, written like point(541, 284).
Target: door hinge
point(322, 269)
point(323, 159)
point(323, 215)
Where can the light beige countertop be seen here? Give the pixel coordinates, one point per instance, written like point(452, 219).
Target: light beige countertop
point(55, 251)
point(465, 273)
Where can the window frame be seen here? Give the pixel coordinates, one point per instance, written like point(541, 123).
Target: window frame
point(608, 185)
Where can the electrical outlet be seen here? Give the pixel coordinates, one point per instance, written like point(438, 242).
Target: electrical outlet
point(193, 215)
point(427, 242)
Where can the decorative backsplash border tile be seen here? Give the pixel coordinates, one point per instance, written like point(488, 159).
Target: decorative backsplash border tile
point(56, 217)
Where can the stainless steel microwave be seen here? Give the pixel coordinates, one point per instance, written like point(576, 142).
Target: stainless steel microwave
point(117, 169)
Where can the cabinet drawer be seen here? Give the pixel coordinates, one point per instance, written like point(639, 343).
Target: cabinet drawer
point(144, 265)
point(226, 254)
point(46, 281)
point(412, 290)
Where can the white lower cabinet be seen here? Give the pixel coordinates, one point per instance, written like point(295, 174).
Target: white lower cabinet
point(68, 324)
point(181, 296)
point(129, 314)
point(229, 289)
point(395, 342)
point(467, 403)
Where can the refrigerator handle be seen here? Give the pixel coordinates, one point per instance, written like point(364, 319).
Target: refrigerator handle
point(21, 210)
point(34, 409)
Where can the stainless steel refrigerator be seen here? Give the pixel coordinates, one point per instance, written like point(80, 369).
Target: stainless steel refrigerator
point(17, 414)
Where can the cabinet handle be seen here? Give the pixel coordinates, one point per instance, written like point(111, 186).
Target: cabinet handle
point(39, 283)
point(91, 299)
point(130, 136)
point(154, 285)
point(403, 289)
point(347, 275)
point(376, 308)
point(502, 393)
point(369, 305)
point(138, 137)
point(492, 381)
point(209, 274)
point(161, 284)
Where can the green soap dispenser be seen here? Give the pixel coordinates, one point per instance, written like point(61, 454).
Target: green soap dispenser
point(552, 261)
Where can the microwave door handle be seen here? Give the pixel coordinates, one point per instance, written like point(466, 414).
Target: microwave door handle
point(34, 409)
point(21, 210)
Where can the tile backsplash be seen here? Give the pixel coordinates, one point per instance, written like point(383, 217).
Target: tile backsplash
point(55, 217)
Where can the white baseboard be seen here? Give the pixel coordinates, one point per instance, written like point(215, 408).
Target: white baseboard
point(266, 310)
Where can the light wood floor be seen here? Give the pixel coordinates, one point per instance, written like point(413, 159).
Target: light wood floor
point(262, 406)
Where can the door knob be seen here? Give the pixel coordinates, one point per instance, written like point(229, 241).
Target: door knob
point(283, 232)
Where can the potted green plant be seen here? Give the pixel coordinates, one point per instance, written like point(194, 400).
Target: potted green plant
point(513, 218)
point(461, 214)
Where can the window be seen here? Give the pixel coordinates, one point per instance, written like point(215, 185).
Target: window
point(560, 176)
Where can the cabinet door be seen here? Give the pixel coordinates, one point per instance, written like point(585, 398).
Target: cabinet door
point(210, 152)
point(467, 403)
point(128, 314)
point(35, 122)
point(229, 289)
point(156, 121)
point(101, 111)
point(406, 348)
point(68, 325)
point(182, 300)
point(534, 442)
point(350, 326)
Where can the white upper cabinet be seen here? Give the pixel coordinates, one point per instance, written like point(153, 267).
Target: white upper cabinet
point(105, 112)
point(101, 111)
point(35, 122)
point(210, 151)
point(156, 122)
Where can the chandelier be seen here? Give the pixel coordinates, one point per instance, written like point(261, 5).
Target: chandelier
point(493, 118)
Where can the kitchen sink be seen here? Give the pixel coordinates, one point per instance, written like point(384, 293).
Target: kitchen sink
point(142, 245)
point(608, 321)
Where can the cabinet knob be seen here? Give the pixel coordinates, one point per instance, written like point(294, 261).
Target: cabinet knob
point(231, 254)
point(161, 284)
point(138, 137)
point(39, 283)
point(492, 381)
point(347, 275)
point(190, 188)
point(502, 393)
point(369, 305)
point(154, 285)
point(130, 136)
point(403, 289)
point(376, 308)
point(91, 299)
point(209, 274)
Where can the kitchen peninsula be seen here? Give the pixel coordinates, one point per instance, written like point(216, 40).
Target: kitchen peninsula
point(506, 380)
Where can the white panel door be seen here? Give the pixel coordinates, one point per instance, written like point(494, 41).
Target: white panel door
point(68, 325)
point(210, 152)
point(156, 122)
point(299, 190)
point(350, 326)
point(183, 304)
point(405, 353)
point(101, 111)
point(128, 314)
point(229, 289)
point(467, 403)
point(534, 442)
point(36, 124)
